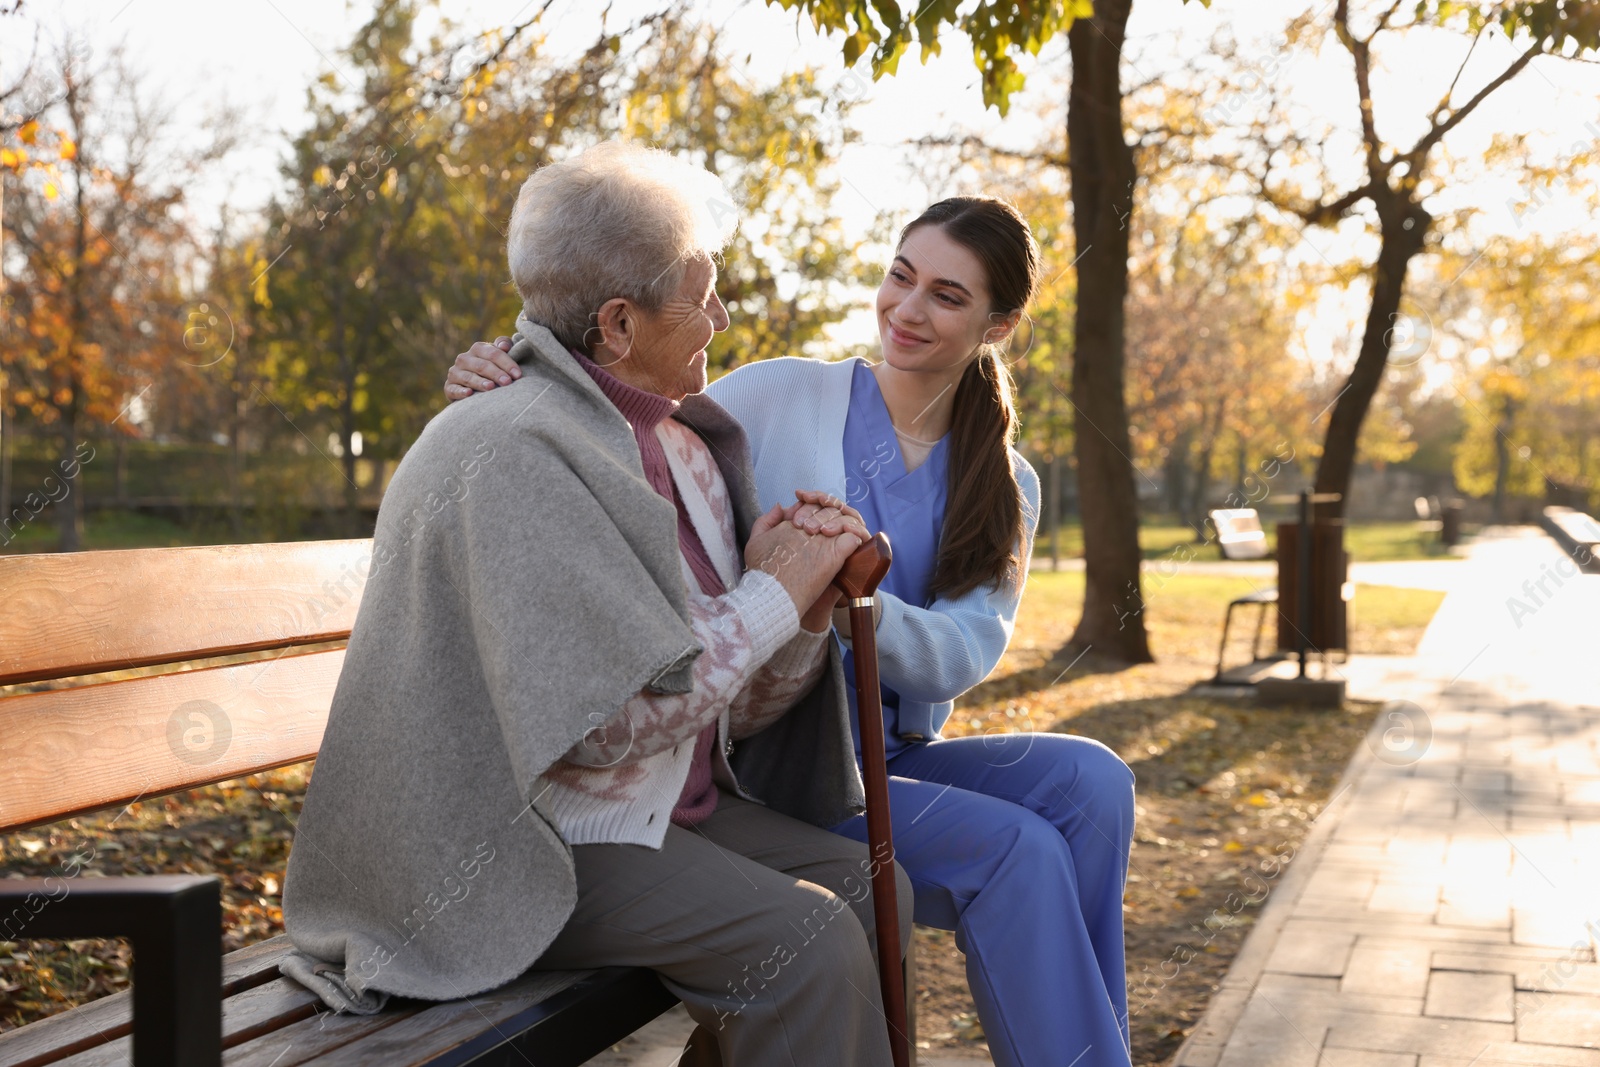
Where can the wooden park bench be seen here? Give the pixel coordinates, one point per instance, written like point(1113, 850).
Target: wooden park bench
point(208, 715)
point(1240, 536)
point(1578, 535)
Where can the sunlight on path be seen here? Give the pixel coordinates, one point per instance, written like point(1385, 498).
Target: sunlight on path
point(1443, 912)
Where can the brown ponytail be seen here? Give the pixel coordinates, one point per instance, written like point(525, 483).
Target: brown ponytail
point(984, 530)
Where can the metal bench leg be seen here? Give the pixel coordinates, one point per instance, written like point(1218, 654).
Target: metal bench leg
point(175, 924)
point(1255, 642)
point(1222, 651)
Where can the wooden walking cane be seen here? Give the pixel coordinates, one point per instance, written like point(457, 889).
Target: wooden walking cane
point(858, 580)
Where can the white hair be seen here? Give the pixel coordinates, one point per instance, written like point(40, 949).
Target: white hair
point(617, 220)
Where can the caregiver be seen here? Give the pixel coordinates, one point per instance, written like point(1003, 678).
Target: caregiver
point(1019, 842)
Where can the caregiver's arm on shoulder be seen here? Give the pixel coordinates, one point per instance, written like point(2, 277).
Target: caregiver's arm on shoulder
point(480, 369)
point(937, 653)
point(739, 632)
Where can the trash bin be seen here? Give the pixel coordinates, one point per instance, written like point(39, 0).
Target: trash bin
point(1450, 523)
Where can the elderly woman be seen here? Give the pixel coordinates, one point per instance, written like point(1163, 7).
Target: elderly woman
point(622, 746)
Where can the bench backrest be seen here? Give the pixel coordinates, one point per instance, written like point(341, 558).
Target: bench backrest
point(91, 743)
point(1239, 533)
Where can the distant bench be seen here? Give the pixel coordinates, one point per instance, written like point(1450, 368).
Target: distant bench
point(86, 747)
point(1578, 535)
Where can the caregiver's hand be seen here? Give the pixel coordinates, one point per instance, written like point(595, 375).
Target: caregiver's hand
point(480, 368)
point(815, 511)
point(803, 563)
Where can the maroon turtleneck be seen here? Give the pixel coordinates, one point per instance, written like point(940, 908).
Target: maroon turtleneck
point(644, 412)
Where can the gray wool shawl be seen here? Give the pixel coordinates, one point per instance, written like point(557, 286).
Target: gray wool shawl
point(525, 582)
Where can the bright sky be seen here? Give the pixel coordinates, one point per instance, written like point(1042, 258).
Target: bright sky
point(260, 55)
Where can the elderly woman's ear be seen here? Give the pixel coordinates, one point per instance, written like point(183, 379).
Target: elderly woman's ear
point(616, 327)
point(480, 369)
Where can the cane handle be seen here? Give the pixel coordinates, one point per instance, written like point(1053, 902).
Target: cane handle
point(861, 573)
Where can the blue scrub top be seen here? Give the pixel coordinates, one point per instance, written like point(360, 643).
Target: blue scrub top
point(909, 507)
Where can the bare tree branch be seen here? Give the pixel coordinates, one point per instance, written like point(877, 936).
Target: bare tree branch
point(1437, 130)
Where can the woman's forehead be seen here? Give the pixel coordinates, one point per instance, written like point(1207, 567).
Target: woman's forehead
point(934, 254)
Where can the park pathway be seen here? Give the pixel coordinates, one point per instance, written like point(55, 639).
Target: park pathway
point(1444, 910)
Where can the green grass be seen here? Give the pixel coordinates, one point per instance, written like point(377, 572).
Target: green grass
point(1367, 542)
point(1156, 539)
point(104, 529)
point(1183, 613)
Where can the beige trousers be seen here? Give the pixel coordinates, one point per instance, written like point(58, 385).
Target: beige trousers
point(760, 923)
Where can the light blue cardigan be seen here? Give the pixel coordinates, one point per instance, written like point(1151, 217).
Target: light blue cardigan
point(793, 411)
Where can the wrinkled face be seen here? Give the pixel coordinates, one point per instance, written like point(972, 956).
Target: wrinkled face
point(669, 354)
point(933, 306)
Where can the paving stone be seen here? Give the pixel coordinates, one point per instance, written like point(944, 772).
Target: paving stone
point(1420, 900)
point(1546, 926)
point(1484, 901)
point(1560, 976)
point(1402, 1033)
point(1568, 974)
point(1366, 856)
point(1269, 1036)
point(1478, 855)
point(1466, 995)
point(1222, 1011)
point(1479, 780)
point(1197, 1055)
point(1388, 970)
point(1331, 886)
point(1303, 949)
point(1584, 791)
point(1377, 926)
point(1345, 1057)
point(1497, 1053)
point(1558, 1019)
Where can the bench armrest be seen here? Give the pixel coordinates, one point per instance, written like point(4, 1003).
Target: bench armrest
point(175, 925)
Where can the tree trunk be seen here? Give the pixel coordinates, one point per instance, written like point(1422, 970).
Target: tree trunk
point(5, 380)
point(1102, 168)
point(1053, 508)
point(1403, 225)
point(1201, 489)
point(1502, 457)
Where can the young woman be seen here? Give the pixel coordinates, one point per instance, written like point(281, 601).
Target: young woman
point(1019, 843)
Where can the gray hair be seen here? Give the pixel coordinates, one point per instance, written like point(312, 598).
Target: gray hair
point(617, 220)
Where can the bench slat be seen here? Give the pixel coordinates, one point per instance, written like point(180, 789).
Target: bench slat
point(70, 751)
point(610, 1004)
point(84, 612)
point(100, 1021)
point(265, 1009)
point(318, 1036)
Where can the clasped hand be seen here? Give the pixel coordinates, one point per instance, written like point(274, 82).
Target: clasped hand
point(804, 546)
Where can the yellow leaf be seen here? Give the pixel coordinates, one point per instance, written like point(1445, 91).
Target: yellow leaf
point(1233, 846)
point(29, 133)
point(1189, 891)
point(12, 158)
point(50, 191)
point(68, 149)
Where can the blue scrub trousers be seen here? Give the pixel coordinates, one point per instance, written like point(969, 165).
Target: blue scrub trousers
point(1019, 843)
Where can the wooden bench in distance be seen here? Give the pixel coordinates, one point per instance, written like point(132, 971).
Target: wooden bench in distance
point(1578, 535)
point(1239, 533)
point(86, 745)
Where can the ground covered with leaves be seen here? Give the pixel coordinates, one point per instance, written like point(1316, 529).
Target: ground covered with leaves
point(1225, 794)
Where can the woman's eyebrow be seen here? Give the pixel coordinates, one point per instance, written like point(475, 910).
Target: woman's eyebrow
point(951, 282)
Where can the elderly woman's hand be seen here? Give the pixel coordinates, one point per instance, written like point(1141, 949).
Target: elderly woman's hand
point(480, 368)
